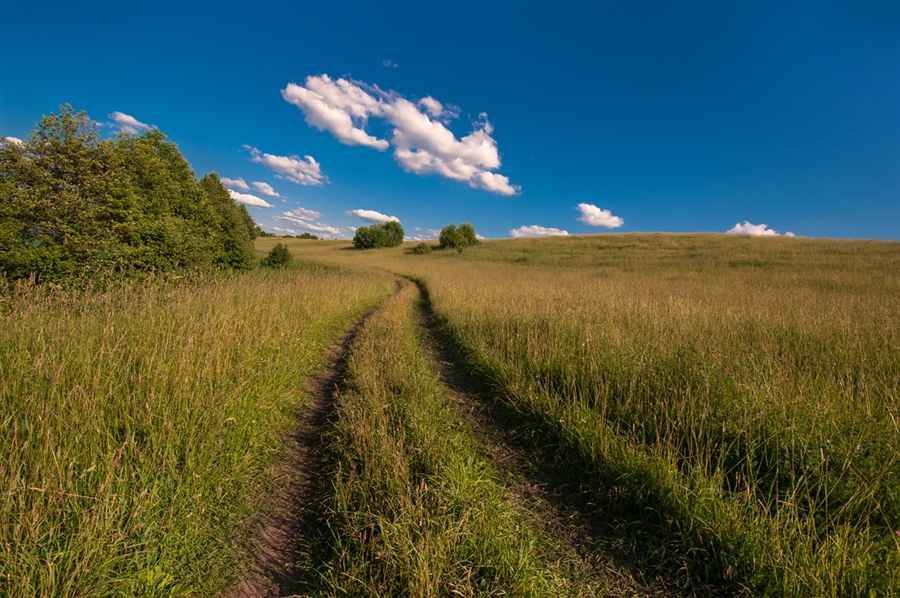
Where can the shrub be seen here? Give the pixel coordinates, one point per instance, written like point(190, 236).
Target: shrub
point(422, 249)
point(279, 257)
point(461, 236)
point(380, 234)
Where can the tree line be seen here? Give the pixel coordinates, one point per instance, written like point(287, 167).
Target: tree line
point(72, 204)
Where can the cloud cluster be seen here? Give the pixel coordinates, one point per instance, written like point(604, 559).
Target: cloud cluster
point(265, 189)
point(307, 220)
point(235, 183)
point(372, 216)
point(755, 230)
point(291, 168)
point(127, 123)
point(428, 234)
point(536, 231)
point(12, 140)
point(249, 200)
point(422, 142)
point(594, 216)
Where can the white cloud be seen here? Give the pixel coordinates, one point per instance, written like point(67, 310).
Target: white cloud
point(235, 183)
point(371, 216)
point(265, 189)
point(300, 219)
point(304, 214)
point(389, 63)
point(755, 230)
point(291, 168)
point(594, 216)
point(13, 140)
point(249, 200)
point(422, 143)
point(333, 105)
point(536, 231)
point(128, 123)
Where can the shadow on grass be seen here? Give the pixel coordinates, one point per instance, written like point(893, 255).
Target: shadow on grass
point(598, 518)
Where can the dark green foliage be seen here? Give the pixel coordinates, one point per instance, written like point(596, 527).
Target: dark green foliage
point(453, 236)
point(278, 257)
point(235, 250)
point(422, 249)
point(74, 205)
point(306, 236)
point(261, 233)
point(380, 234)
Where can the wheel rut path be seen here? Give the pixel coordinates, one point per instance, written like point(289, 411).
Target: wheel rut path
point(287, 534)
point(532, 479)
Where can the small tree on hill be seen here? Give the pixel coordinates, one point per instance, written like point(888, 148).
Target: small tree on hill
point(453, 236)
point(380, 234)
point(278, 257)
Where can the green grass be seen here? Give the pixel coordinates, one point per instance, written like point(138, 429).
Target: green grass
point(139, 425)
point(728, 408)
point(732, 403)
point(416, 509)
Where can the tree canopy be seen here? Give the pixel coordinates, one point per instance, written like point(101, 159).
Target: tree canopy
point(77, 205)
point(380, 234)
point(453, 236)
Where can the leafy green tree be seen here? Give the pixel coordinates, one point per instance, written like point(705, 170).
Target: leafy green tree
point(279, 257)
point(235, 249)
point(380, 234)
point(72, 205)
point(468, 233)
point(64, 204)
point(252, 229)
point(307, 236)
point(454, 237)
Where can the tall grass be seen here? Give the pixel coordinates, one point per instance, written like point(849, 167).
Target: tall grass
point(139, 425)
point(732, 402)
point(416, 510)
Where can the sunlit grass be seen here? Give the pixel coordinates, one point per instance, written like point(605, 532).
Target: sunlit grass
point(733, 402)
point(416, 509)
point(139, 424)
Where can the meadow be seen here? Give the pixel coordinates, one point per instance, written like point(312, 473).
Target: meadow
point(699, 414)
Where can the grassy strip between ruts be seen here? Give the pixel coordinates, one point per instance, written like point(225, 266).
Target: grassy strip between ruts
point(139, 426)
point(416, 510)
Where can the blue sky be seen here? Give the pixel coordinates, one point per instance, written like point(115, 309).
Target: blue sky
point(519, 117)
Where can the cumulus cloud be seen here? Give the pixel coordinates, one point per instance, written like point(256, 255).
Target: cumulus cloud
point(372, 216)
point(305, 220)
point(12, 140)
point(304, 214)
point(389, 63)
point(594, 216)
point(536, 231)
point(425, 234)
point(291, 168)
point(127, 123)
point(755, 230)
point(422, 142)
point(249, 200)
point(235, 183)
point(265, 189)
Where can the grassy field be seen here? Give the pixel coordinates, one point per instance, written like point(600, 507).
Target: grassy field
point(729, 404)
point(721, 413)
point(140, 426)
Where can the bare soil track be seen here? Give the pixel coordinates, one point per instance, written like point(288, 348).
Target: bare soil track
point(284, 543)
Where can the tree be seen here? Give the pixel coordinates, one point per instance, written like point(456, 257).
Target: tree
point(278, 257)
point(380, 234)
point(73, 205)
point(235, 249)
point(462, 236)
point(64, 207)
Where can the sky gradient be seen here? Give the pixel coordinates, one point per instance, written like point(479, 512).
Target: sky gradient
point(521, 118)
